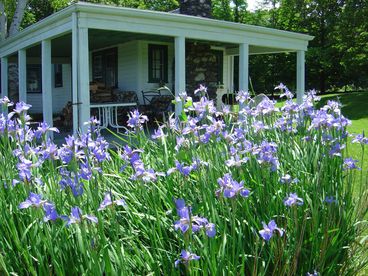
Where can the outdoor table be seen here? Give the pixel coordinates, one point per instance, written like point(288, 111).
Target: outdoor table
point(108, 113)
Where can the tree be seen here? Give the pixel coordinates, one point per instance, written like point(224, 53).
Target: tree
point(16, 10)
point(230, 10)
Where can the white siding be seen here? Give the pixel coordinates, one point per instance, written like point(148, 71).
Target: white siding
point(60, 95)
point(128, 66)
point(143, 80)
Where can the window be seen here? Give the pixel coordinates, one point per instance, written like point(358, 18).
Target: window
point(34, 78)
point(58, 75)
point(157, 63)
point(104, 67)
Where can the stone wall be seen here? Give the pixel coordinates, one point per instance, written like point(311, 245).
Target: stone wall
point(201, 8)
point(203, 66)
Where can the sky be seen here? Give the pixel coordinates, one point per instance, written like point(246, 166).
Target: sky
point(252, 4)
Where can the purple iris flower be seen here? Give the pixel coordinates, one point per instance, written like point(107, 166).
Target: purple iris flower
point(286, 92)
point(242, 96)
point(360, 138)
point(201, 90)
point(24, 169)
point(210, 229)
point(186, 257)
point(184, 214)
point(5, 101)
point(350, 164)
point(130, 155)
point(76, 216)
point(85, 171)
point(146, 175)
point(20, 108)
point(136, 120)
point(330, 199)
point(293, 199)
point(158, 133)
point(268, 230)
point(49, 151)
point(43, 128)
point(34, 200)
point(266, 106)
point(314, 273)
point(336, 149)
point(184, 170)
point(50, 212)
point(108, 202)
point(195, 222)
point(266, 154)
point(230, 188)
point(286, 179)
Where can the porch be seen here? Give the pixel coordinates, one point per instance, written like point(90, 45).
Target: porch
point(132, 50)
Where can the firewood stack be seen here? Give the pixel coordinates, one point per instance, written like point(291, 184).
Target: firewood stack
point(99, 93)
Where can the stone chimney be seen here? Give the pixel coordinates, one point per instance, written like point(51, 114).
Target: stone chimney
point(201, 8)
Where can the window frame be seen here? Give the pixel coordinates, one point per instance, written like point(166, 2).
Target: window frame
point(163, 70)
point(102, 56)
point(37, 70)
point(58, 75)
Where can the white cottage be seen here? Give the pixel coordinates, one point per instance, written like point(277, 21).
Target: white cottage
point(59, 59)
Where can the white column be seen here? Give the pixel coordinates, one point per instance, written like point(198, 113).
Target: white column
point(22, 75)
point(179, 71)
point(300, 75)
point(83, 78)
point(243, 66)
point(4, 78)
point(75, 72)
point(46, 82)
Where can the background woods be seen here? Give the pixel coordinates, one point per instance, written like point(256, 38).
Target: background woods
point(337, 58)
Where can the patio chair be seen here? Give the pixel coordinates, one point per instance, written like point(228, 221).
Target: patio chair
point(148, 95)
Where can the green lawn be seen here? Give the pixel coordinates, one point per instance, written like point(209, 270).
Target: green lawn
point(355, 108)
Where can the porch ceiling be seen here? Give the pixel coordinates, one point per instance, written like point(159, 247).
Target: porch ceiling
point(99, 39)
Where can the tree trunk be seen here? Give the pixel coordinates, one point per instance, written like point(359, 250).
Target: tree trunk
point(18, 17)
point(3, 21)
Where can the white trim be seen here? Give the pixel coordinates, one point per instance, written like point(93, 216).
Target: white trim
point(26, 39)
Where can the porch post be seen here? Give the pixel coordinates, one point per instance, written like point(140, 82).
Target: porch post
point(75, 72)
point(243, 67)
point(300, 75)
point(4, 76)
point(22, 75)
point(179, 71)
point(46, 82)
point(83, 78)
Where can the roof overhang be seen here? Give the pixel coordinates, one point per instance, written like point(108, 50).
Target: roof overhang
point(112, 18)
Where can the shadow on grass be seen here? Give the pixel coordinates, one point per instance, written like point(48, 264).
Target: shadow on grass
point(354, 105)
